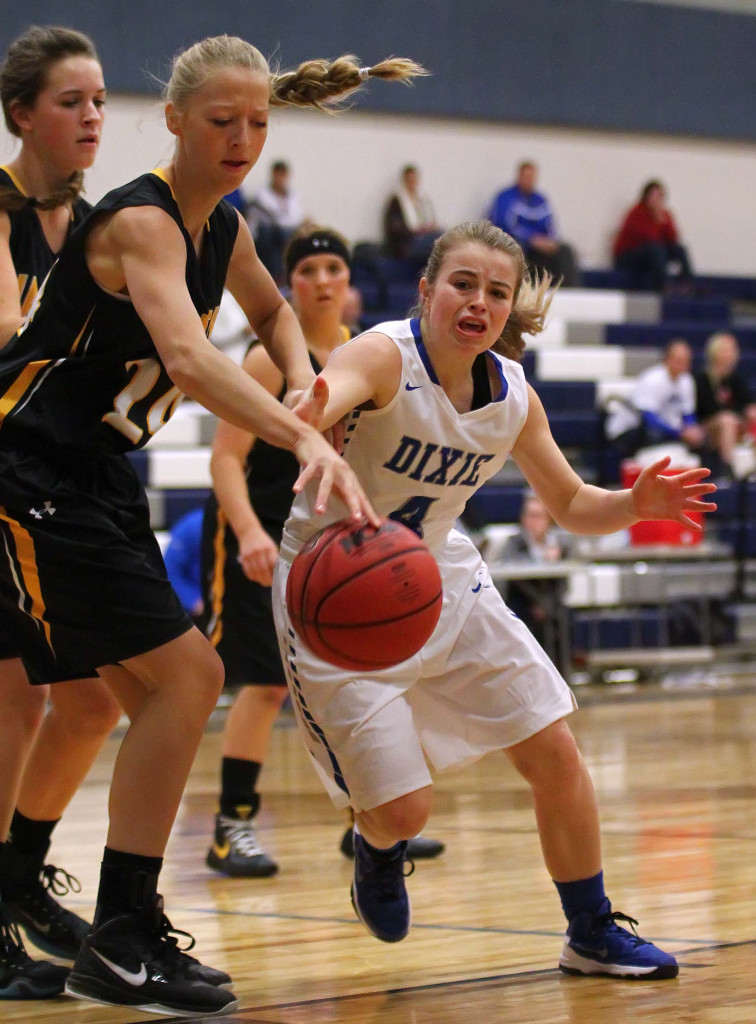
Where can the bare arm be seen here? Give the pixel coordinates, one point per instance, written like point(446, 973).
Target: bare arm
point(273, 319)
point(10, 303)
point(257, 549)
point(366, 371)
point(584, 509)
point(154, 276)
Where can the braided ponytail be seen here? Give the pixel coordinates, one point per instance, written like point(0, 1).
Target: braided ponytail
point(323, 83)
point(11, 201)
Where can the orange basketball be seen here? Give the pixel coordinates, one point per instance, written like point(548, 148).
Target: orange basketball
point(362, 597)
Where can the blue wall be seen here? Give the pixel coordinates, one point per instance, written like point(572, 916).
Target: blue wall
point(610, 64)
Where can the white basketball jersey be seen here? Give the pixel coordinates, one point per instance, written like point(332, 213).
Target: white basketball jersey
point(418, 459)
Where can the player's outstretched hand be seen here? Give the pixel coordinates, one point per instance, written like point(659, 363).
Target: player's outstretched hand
point(310, 405)
point(320, 461)
point(671, 497)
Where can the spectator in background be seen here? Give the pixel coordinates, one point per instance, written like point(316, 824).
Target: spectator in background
point(183, 561)
point(663, 406)
point(724, 403)
point(409, 221)
point(273, 215)
point(537, 541)
point(527, 216)
point(648, 242)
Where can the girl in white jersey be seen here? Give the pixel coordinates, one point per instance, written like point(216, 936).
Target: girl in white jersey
point(434, 407)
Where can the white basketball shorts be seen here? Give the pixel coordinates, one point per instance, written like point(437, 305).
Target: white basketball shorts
point(481, 683)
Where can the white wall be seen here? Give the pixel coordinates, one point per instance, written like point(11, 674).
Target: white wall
point(344, 166)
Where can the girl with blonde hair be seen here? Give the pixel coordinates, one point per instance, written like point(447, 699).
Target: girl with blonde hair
point(115, 339)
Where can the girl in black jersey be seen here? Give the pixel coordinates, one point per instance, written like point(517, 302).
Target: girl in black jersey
point(117, 336)
point(241, 532)
point(53, 96)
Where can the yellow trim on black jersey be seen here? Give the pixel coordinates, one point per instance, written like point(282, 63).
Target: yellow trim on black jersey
point(14, 179)
point(27, 300)
point(81, 333)
point(26, 564)
point(217, 589)
point(159, 172)
point(20, 386)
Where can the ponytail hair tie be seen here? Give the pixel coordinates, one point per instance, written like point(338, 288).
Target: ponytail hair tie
point(364, 74)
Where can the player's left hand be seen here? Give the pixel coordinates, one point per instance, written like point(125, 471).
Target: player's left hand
point(669, 497)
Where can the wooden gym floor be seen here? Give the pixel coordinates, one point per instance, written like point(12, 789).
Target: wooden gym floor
point(675, 770)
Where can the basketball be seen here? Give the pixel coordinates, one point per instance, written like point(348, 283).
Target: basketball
point(364, 597)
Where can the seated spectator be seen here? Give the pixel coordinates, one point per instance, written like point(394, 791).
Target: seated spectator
point(527, 216)
point(183, 562)
point(724, 403)
point(537, 541)
point(409, 221)
point(662, 408)
point(648, 244)
point(273, 214)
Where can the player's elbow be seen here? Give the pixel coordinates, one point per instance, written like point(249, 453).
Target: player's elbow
point(184, 366)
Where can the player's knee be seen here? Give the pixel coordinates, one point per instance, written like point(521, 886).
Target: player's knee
point(208, 676)
point(551, 754)
point(98, 712)
point(25, 704)
point(402, 818)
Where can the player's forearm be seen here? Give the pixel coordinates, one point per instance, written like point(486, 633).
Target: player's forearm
point(217, 383)
point(232, 493)
point(594, 511)
point(282, 337)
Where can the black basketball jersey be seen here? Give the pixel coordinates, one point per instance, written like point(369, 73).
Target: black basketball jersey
point(29, 249)
point(83, 372)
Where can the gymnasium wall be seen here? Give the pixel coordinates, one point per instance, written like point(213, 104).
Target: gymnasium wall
point(603, 94)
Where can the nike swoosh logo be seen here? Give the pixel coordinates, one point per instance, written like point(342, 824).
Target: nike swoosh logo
point(603, 953)
point(476, 589)
point(412, 387)
point(134, 978)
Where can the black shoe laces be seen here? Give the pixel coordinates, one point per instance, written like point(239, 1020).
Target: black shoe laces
point(169, 935)
point(58, 881)
point(610, 920)
point(385, 880)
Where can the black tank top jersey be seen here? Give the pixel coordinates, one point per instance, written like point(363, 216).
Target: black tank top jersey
point(30, 251)
point(83, 372)
point(271, 473)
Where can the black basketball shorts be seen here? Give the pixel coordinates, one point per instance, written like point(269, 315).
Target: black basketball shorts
point(238, 612)
point(82, 578)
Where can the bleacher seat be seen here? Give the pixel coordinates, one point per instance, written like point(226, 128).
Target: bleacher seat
point(494, 504)
point(566, 395)
point(615, 628)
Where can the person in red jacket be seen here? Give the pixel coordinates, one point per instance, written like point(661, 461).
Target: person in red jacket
point(648, 242)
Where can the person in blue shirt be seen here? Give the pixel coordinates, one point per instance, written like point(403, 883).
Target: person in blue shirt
point(182, 560)
point(527, 216)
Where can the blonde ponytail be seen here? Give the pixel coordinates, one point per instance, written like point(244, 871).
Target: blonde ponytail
point(324, 84)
